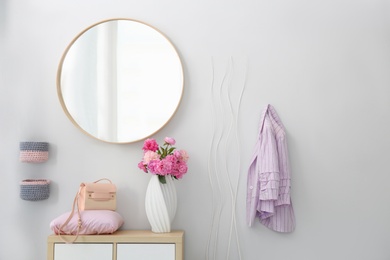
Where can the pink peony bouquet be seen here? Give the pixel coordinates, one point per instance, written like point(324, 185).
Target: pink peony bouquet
point(163, 160)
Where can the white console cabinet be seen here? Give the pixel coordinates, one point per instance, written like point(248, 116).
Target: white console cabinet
point(122, 245)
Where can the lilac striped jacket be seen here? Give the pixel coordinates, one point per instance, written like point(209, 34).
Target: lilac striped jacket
point(268, 193)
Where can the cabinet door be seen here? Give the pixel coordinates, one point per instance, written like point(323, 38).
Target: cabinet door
point(146, 252)
point(83, 251)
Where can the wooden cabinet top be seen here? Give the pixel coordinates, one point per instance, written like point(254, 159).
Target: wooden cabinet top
point(125, 236)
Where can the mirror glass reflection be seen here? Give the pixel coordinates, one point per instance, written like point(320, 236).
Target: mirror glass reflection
point(120, 80)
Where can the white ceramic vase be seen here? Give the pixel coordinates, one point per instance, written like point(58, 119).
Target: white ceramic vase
point(160, 204)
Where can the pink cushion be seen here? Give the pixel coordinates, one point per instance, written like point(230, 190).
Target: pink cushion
point(93, 222)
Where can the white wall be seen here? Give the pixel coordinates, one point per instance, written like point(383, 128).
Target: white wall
point(324, 65)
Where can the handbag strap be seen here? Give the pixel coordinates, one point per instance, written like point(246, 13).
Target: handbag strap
point(103, 179)
point(79, 222)
point(76, 205)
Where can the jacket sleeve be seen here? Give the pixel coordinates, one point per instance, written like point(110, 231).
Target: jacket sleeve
point(268, 173)
point(252, 188)
point(285, 175)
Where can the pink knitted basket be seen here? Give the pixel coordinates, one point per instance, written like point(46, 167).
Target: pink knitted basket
point(34, 152)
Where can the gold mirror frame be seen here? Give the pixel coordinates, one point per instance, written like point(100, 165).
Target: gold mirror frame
point(158, 124)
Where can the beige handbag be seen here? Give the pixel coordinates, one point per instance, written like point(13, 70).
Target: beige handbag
point(91, 196)
point(97, 195)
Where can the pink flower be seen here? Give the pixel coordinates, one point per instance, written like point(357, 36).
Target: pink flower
point(181, 170)
point(153, 166)
point(171, 158)
point(150, 145)
point(142, 166)
point(164, 160)
point(150, 155)
point(177, 154)
point(164, 167)
point(169, 140)
point(183, 167)
point(181, 155)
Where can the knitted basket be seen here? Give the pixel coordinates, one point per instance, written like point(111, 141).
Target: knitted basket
point(34, 189)
point(34, 152)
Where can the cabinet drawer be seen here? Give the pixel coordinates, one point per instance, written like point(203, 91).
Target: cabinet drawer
point(121, 245)
point(83, 251)
point(146, 251)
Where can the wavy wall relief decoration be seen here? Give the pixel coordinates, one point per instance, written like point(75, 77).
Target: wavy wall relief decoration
point(227, 88)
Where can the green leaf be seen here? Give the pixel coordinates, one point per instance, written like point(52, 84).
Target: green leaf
point(162, 179)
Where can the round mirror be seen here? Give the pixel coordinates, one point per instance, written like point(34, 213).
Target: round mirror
point(120, 80)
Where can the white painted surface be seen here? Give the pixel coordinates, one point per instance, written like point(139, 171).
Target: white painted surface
point(83, 251)
point(146, 251)
point(324, 66)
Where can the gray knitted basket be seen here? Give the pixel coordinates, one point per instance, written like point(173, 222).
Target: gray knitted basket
point(34, 152)
point(34, 189)
point(34, 146)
